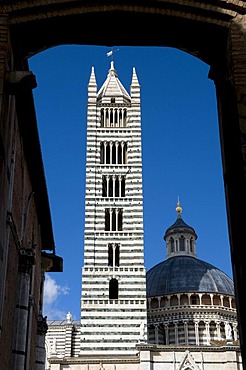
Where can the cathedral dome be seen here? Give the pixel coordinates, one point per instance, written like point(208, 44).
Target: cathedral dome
point(187, 274)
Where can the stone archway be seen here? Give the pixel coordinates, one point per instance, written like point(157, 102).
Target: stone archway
point(213, 32)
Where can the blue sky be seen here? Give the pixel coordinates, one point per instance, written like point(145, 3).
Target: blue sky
point(181, 154)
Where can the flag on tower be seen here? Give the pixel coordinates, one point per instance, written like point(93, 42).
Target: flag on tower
point(112, 52)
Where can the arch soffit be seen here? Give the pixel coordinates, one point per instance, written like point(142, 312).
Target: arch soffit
point(44, 24)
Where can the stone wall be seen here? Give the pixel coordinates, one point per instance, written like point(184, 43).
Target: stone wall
point(26, 230)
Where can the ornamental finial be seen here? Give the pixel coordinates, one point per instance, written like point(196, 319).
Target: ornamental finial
point(179, 208)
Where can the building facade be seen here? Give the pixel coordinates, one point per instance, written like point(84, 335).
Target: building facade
point(182, 314)
point(27, 247)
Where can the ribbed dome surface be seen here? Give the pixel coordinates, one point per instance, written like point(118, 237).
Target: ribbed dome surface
point(187, 274)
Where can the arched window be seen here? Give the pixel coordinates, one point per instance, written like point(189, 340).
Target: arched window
point(113, 289)
point(110, 185)
point(124, 120)
point(123, 186)
point(110, 255)
point(117, 255)
point(114, 154)
point(113, 219)
point(106, 123)
point(104, 186)
point(117, 187)
point(120, 220)
point(182, 243)
point(194, 299)
point(120, 118)
point(102, 153)
point(172, 244)
point(191, 244)
point(107, 219)
point(107, 153)
point(113, 186)
point(111, 117)
point(114, 215)
point(102, 118)
point(113, 255)
point(119, 154)
point(116, 118)
point(125, 154)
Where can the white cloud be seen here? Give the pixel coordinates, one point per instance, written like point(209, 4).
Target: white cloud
point(52, 291)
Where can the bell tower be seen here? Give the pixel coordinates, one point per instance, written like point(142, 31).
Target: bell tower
point(113, 303)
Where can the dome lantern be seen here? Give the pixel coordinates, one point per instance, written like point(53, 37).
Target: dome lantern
point(180, 238)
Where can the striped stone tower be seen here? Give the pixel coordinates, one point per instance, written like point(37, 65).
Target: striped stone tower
point(113, 304)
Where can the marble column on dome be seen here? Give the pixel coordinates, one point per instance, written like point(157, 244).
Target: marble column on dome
point(176, 333)
point(197, 333)
point(207, 326)
point(186, 332)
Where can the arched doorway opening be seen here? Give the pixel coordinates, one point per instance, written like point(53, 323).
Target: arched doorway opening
point(172, 26)
point(181, 153)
